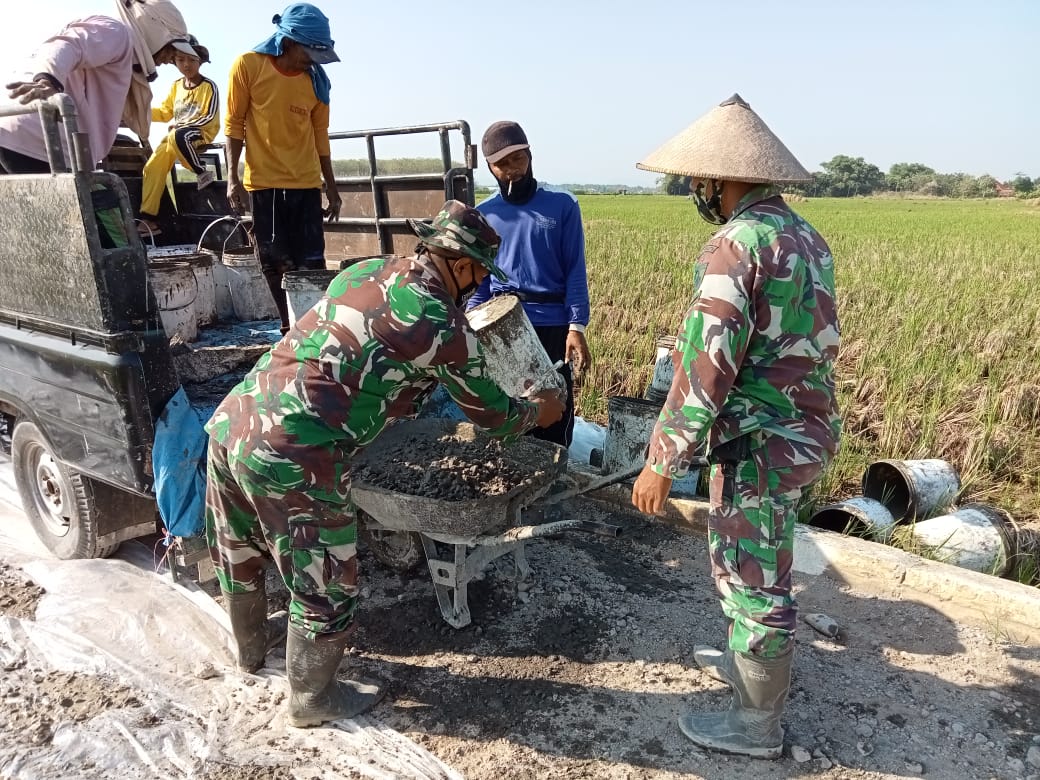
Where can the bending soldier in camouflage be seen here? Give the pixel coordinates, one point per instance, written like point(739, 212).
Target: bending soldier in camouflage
point(753, 386)
point(281, 443)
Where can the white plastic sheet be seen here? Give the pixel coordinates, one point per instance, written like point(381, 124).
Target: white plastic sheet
point(171, 645)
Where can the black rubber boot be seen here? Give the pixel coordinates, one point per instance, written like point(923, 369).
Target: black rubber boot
point(715, 663)
point(254, 633)
point(315, 695)
point(751, 726)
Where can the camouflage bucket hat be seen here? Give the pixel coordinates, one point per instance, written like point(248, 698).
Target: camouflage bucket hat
point(459, 228)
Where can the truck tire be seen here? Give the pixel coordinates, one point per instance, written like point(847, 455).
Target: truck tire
point(400, 551)
point(59, 502)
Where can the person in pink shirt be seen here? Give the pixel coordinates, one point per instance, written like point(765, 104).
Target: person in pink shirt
point(111, 60)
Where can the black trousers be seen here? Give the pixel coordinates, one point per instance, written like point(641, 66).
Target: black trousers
point(289, 231)
point(554, 339)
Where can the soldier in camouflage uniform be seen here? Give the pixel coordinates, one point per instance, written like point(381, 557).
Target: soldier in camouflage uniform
point(281, 443)
point(754, 387)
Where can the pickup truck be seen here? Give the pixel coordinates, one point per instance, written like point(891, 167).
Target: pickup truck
point(86, 368)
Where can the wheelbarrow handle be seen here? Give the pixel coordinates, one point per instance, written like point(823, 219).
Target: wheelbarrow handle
point(596, 484)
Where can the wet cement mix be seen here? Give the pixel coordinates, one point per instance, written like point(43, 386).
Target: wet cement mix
point(447, 468)
point(581, 670)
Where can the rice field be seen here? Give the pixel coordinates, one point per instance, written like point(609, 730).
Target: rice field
point(940, 353)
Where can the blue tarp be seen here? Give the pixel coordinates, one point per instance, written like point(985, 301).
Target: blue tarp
point(179, 463)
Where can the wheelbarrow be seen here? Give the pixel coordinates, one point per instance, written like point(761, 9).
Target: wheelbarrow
point(459, 538)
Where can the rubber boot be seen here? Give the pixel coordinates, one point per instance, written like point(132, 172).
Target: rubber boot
point(751, 726)
point(715, 663)
point(254, 633)
point(315, 695)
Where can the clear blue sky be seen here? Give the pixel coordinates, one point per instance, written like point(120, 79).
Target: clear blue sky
point(597, 85)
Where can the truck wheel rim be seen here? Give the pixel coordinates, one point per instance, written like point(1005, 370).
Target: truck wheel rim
point(50, 495)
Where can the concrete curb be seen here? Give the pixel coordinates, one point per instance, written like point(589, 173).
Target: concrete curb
point(1007, 609)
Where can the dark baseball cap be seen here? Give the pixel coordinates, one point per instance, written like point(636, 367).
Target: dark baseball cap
point(502, 139)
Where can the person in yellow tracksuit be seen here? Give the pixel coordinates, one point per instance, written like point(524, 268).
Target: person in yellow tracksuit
point(193, 108)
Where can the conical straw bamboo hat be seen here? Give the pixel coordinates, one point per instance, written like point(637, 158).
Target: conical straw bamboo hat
point(730, 142)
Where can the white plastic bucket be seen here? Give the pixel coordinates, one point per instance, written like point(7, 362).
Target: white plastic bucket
point(175, 290)
point(516, 359)
point(251, 298)
point(912, 488)
point(303, 289)
point(664, 371)
point(975, 536)
point(222, 303)
point(206, 302)
point(858, 516)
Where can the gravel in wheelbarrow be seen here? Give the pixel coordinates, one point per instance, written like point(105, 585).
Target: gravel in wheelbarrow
point(451, 478)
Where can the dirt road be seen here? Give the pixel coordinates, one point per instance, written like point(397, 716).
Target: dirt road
point(581, 672)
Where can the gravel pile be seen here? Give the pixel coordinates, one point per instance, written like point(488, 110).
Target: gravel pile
point(447, 468)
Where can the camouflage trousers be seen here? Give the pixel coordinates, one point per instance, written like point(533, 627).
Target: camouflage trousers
point(253, 518)
point(751, 544)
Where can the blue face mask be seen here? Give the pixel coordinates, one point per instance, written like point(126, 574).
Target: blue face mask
point(710, 209)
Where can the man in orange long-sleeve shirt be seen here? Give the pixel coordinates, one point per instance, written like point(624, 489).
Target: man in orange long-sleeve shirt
point(278, 107)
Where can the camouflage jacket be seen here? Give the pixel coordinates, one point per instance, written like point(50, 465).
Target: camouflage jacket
point(756, 349)
point(370, 351)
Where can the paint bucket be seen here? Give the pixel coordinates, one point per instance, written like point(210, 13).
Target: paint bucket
point(201, 263)
point(630, 423)
point(303, 289)
point(516, 359)
point(175, 289)
point(912, 489)
point(251, 297)
point(857, 516)
point(975, 536)
point(223, 306)
point(664, 370)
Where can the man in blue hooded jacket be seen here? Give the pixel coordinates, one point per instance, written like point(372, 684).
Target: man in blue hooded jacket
point(278, 107)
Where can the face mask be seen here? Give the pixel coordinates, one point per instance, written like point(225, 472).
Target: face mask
point(463, 293)
point(710, 209)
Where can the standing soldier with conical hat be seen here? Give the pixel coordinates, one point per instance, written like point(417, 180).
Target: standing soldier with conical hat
point(753, 386)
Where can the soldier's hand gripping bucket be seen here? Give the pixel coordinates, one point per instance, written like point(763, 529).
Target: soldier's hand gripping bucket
point(516, 359)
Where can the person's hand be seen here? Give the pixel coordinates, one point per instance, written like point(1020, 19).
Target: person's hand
point(335, 202)
point(236, 196)
point(28, 91)
point(550, 407)
point(650, 491)
point(577, 351)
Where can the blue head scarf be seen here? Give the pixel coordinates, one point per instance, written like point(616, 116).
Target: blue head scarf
point(305, 24)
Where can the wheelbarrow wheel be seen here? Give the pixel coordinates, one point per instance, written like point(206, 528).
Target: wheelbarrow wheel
point(401, 551)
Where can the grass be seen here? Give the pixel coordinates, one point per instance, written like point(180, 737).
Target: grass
point(940, 353)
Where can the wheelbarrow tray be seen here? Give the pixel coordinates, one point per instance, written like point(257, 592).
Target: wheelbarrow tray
point(480, 516)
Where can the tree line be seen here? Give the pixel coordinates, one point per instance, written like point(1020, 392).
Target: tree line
point(844, 177)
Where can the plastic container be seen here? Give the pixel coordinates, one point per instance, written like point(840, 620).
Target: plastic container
point(664, 371)
point(251, 297)
point(858, 516)
point(516, 359)
point(222, 303)
point(206, 303)
point(630, 423)
point(201, 263)
point(175, 288)
point(979, 537)
point(912, 489)
point(303, 289)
